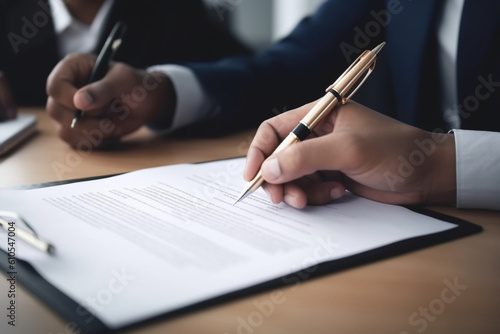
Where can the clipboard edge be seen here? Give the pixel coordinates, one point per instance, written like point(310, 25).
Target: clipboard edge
point(463, 229)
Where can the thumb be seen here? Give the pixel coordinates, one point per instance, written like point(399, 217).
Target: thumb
point(100, 93)
point(303, 158)
point(84, 99)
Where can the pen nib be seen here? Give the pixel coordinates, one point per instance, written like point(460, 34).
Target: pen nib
point(243, 195)
point(73, 122)
point(379, 47)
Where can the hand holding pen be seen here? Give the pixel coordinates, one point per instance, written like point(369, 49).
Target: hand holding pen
point(124, 100)
point(352, 148)
point(360, 69)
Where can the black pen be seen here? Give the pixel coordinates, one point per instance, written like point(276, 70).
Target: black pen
point(101, 65)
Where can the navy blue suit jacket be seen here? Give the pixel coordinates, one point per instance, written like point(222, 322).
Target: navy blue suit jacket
point(297, 69)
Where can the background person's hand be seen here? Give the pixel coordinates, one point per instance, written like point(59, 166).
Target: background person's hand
point(120, 103)
point(8, 109)
point(370, 154)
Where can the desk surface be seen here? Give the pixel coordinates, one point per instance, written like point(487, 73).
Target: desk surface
point(404, 294)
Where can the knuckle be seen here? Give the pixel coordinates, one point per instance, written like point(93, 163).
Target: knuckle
point(264, 135)
point(52, 89)
point(50, 107)
point(54, 109)
point(266, 126)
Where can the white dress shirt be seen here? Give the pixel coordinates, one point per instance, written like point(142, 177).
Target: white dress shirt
point(72, 35)
point(193, 104)
point(478, 169)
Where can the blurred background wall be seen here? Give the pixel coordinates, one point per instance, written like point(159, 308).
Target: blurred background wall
point(259, 23)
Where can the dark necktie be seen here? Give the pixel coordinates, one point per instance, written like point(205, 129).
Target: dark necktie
point(429, 111)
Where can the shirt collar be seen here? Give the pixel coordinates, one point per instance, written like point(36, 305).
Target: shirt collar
point(62, 17)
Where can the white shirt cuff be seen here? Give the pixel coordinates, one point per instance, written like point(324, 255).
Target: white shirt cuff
point(193, 104)
point(478, 169)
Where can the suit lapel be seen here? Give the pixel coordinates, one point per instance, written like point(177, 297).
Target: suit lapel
point(407, 36)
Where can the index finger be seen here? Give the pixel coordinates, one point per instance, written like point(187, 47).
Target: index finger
point(269, 136)
point(69, 74)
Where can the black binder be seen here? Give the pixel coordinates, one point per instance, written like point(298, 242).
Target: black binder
point(87, 323)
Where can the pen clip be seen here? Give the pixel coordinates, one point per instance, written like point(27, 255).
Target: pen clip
point(347, 71)
point(341, 77)
point(368, 72)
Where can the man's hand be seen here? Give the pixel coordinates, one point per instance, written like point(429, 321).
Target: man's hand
point(120, 103)
point(358, 149)
point(8, 109)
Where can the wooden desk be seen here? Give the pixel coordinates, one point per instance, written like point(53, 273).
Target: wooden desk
point(376, 298)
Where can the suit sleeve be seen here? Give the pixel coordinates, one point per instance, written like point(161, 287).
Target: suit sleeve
point(292, 72)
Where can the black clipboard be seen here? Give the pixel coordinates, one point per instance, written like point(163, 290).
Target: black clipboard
point(87, 323)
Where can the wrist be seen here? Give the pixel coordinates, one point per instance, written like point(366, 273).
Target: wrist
point(442, 181)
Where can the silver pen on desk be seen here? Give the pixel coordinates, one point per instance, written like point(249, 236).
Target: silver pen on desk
point(26, 234)
point(365, 63)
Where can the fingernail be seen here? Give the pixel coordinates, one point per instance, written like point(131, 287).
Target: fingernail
point(271, 169)
point(86, 99)
point(291, 200)
point(336, 193)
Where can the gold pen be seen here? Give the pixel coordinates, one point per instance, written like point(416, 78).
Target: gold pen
point(334, 94)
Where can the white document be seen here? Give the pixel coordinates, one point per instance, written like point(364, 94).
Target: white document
point(145, 243)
